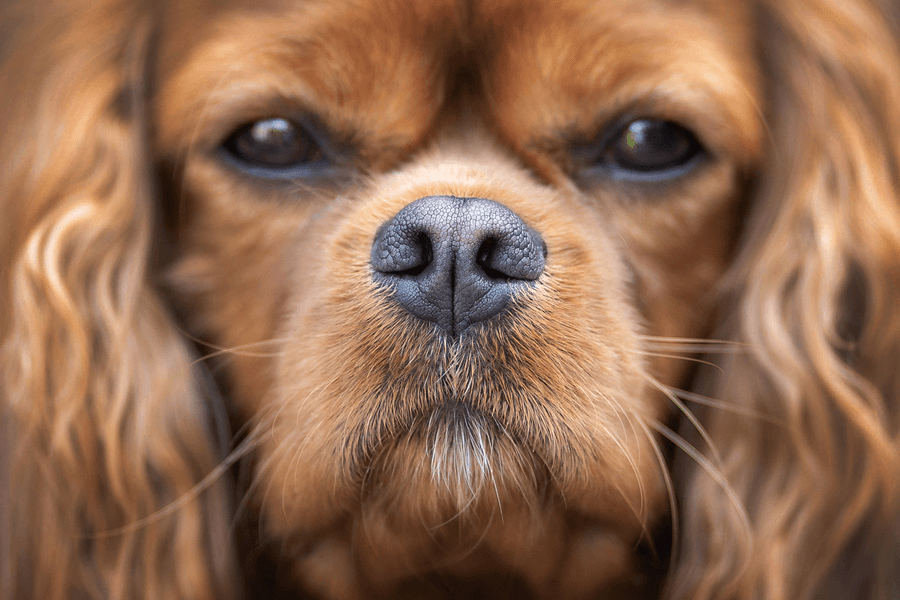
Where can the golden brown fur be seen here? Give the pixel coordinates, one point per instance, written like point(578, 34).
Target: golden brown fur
point(152, 295)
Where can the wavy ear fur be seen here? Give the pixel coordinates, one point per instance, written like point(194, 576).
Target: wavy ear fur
point(815, 297)
point(105, 435)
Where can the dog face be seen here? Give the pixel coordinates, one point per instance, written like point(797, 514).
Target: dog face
point(504, 299)
point(453, 235)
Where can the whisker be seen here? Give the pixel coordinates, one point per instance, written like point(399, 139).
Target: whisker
point(690, 416)
point(282, 449)
point(239, 350)
point(638, 512)
point(204, 484)
point(696, 348)
point(260, 476)
point(670, 491)
point(722, 405)
point(642, 492)
point(700, 342)
point(687, 358)
point(719, 478)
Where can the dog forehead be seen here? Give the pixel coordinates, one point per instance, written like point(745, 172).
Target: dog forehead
point(474, 22)
point(385, 69)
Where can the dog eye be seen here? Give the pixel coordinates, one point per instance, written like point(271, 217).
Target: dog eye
point(652, 146)
point(273, 146)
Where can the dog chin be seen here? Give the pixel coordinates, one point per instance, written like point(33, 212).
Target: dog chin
point(457, 501)
point(458, 496)
point(455, 464)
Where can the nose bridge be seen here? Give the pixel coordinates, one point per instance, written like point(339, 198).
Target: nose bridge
point(456, 261)
point(465, 131)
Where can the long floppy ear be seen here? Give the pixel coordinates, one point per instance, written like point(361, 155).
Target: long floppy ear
point(809, 446)
point(105, 434)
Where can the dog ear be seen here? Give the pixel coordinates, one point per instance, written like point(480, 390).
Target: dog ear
point(106, 437)
point(806, 430)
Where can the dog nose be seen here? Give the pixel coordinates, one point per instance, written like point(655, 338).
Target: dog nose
point(456, 261)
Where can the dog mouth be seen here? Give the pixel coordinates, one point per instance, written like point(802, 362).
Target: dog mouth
point(471, 432)
point(461, 458)
point(502, 409)
point(461, 402)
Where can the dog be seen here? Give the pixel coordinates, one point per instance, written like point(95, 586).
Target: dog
point(450, 299)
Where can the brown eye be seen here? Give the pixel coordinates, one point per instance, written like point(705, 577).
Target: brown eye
point(648, 145)
point(275, 144)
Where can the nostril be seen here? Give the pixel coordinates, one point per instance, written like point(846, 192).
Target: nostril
point(425, 250)
point(511, 254)
point(400, 250)
point(485, 259)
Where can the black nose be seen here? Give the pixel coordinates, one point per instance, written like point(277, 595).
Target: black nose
point(456, 261)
